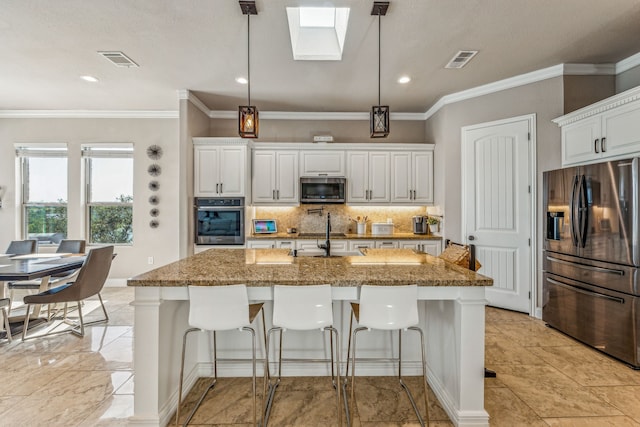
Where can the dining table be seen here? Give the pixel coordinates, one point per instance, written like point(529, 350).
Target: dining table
point(35, 267)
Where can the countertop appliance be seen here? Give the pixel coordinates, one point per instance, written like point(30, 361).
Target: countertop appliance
point(322, 189)
point(420, 224)
point(591, 260)
point(219, 221)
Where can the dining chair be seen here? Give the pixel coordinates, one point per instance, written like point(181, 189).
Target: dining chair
point(22, 247)
point(214, 309)
point(389, 308)
point(90, 281)
point(4, 303)
point(303, 308)
point(65, 246)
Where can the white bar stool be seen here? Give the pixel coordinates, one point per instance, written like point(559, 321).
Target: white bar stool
point(220, 308)
point(389, 308)
point(303, 308)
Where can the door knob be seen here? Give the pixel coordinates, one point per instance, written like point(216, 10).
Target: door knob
point(472, 237)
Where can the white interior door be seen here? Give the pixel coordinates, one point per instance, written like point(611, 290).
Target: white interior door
point(497, 206)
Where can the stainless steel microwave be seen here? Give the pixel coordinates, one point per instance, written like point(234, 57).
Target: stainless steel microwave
point(322, 189)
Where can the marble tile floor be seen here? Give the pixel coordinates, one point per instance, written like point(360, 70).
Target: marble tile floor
point(543, 379)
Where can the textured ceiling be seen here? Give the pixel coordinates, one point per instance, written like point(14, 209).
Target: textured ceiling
point(200, 45)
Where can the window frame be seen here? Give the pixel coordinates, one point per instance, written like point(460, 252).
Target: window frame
point(89, 152)
point(24, 153)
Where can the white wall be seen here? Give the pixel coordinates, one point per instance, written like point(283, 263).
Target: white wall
point(161, 243)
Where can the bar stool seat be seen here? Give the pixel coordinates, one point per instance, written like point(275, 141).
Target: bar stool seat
point(303, 308)
point(220, 308)
point(388, 308)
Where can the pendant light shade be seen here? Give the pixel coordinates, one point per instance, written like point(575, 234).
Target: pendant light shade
point(248, 114)
point(379, 119)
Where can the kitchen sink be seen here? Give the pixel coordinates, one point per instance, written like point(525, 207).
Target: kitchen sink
point(320, 254)
point(321, 235)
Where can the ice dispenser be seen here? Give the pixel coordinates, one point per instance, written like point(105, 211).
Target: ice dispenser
point(555, 221)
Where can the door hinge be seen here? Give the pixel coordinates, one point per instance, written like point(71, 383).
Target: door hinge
point(529, 242)
point(529, 294)
point(529, 189)
point(529, 136)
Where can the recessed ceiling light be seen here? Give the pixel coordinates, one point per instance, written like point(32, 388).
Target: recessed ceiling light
point(241, 80)
point(404, 79)
point(89, 79)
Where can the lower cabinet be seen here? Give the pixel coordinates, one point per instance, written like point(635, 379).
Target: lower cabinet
point(312, 245)
point(354, 245)
point(431, 247)
point(387, 244)
point(261, 244)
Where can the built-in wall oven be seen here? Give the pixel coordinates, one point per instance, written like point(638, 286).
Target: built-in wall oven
point(219, 221)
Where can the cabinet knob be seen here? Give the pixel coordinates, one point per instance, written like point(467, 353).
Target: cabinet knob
point(472, 238)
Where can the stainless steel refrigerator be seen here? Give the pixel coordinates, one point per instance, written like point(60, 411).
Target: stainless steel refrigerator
point(592, 255)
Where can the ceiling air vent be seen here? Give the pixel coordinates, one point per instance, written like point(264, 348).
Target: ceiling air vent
point(119, 59)
point(461, 58)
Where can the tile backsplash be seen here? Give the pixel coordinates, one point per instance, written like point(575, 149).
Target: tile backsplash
point(305, 222)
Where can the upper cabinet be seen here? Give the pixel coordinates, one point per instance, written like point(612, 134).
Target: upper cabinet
point(322, 163)
point(606, 130)
point(220, 167)
point(368, 179)
point(275, 177)
point(412, 177)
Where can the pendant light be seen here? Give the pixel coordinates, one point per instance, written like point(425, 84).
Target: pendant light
point(248, 114)
point(379, 120)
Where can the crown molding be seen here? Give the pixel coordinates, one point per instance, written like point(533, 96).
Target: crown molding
point(88, 114)
point(614, 101)
point(189, 96)
point(589, 69)
point(628, 63)
point(309, 115)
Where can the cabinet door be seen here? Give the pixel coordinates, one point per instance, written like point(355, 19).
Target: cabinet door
point(232, 171)
point(307, 245)
point(379, 177)
point(285, 244)
point(422, 171)
point(361, 244)
point(401, 178)
point(339, 245)
point(287, 179)
point(580, 140)
point(263, 177)
point(358, 178)
point(432, 248)
point(205, 171)
point(387, 244)
point(410, 244)
point(315, 163)
point(621, 130)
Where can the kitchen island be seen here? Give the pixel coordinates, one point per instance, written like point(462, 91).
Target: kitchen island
point(451, 314)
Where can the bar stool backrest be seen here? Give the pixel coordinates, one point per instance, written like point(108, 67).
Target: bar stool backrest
point(218, 308)
point(302, 308)
point(388, 307)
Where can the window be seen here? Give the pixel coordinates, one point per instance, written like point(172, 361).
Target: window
point(44, 192)
point(109, 196)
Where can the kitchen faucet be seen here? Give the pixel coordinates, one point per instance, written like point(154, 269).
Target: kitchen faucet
point(327, 245)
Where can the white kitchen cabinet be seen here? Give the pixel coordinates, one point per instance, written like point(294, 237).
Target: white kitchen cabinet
point(322, 163)
point(412, 177)
point(219, 171)
point(432, 247)
point(354, 245)
point(606, 130)
point(285, 244)
point(311, 245)
point(387, 244)
point(261, 244)
point(368, 177)
point(275, 177)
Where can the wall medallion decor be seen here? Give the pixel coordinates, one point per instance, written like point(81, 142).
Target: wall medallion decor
point(154, 186)
point(154, 223)
point(154, 152)
point(154, 169)
point(154, 212)
point(154, 200)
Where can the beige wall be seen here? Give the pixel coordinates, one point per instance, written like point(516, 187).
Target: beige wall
point(160, 243)
point(353, 131)
point(627, 80)
point(580, 91)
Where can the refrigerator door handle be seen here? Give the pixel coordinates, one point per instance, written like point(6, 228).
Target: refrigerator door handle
point(572, 212)
point(587, 267)
point(583, 217)
point(586, 292)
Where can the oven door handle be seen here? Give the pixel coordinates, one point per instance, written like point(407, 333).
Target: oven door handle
point(221, 208)
point(586, 291)
point(587, 267)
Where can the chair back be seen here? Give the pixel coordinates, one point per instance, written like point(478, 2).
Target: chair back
point(22, 247)
point(94, 273)
point(388, 307)
point(302, 308)
point(71, 246)
point(218, 308)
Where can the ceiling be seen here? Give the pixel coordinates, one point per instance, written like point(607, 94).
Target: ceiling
point(201, 45)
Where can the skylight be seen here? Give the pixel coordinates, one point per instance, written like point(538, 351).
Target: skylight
point(317, 33)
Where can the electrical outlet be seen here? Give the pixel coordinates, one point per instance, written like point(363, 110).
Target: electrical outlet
point(150, 260)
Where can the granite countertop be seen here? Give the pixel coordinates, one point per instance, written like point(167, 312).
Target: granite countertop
point(347, 236)
point(267, 267)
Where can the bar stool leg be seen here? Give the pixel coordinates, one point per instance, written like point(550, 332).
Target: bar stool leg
point(184, 348)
